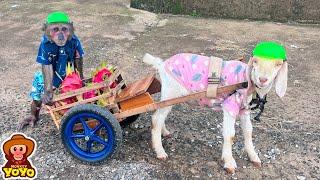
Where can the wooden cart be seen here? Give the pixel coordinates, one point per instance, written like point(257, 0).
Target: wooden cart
point(91, 132)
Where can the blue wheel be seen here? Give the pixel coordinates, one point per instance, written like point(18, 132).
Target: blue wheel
point(91, 133)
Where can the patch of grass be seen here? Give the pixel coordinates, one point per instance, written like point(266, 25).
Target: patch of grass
point(194, 13)
point(159, 6)
point(164, 6)
point(136, 4)
point(174, 7)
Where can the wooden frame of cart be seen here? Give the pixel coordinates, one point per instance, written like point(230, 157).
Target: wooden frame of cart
point(98, 126)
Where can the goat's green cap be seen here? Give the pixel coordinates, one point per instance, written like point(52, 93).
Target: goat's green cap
point(58, 17)
point(270, 50)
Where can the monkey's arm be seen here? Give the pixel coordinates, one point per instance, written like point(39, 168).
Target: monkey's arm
point(47, 72)
point(78, 63)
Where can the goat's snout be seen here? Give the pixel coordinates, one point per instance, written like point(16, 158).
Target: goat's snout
point(263, 80)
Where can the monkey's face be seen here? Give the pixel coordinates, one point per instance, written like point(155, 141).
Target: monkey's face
point(59, 33)
point(18, 151)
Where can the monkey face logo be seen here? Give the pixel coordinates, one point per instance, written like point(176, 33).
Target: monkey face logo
point(16, 151)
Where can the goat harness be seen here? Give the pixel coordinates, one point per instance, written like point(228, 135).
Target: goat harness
point(213, 76)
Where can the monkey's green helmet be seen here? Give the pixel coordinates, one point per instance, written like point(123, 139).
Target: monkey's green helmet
point(58, 17)
point(269, 50)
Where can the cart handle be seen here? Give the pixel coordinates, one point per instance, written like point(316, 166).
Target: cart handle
point(194, 96)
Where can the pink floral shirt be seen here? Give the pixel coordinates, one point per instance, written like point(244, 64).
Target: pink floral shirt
point(191, 70)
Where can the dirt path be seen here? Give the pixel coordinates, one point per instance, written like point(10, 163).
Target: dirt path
point(287, 139)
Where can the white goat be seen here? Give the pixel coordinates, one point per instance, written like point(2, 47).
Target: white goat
point(261, 74)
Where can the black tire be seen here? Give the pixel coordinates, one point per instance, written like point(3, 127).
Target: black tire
point(129, 120)
point(107, 121)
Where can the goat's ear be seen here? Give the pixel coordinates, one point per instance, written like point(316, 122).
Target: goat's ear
point(248, 73)
point(281, 80)
point(249, 68)
point(250, 62)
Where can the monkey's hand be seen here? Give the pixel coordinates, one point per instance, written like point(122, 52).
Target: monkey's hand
point(30, 120)
point(78, 63)
point(47, 98)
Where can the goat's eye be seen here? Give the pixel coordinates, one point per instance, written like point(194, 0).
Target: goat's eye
point(255, 61)
point(279, 64)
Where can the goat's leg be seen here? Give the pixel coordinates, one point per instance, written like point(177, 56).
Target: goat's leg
point(228, 137)
point(158, 120)
point(170, 88)
point(247, 134)
point(165, 132)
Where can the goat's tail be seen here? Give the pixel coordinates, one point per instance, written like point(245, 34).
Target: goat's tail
point(154, 61)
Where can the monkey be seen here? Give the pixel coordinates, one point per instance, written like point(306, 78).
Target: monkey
point(59, 46)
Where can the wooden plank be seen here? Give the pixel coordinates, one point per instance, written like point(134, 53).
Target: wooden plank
point(193, 96)
point(112, 106)
point(154, 87)
point(136, 88)
point(80, 91)
point(53, 116)
point(91, 123)
point(136, 101)
point(55, 120)
point(82, 102)
point(58, 118)
point(118, 87)
point(116, 73)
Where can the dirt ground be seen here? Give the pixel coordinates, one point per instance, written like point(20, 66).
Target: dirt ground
point(287, 138)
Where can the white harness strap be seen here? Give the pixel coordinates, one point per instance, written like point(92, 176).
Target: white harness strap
point(213, 76)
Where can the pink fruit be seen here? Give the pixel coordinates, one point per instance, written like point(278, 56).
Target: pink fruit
point(101, 75)
point(70, 83)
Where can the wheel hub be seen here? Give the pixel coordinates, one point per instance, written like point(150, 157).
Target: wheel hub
point(87, 138)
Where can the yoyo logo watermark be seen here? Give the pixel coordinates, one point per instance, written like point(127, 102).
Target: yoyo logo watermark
point(16, 150)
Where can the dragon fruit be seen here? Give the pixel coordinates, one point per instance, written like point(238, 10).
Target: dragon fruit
point(101, 75)
point(89, 94)
point(71, 82)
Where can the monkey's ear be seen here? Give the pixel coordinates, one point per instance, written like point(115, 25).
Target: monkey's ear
point(44, 27)
point(71, 30)
point(72, 27)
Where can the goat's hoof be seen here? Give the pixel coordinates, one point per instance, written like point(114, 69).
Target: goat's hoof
point(230, 170)
point(167, 136)
point(256, 164)
point(162, 156)
point(230, 166)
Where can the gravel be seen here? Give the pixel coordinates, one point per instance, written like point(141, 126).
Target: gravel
point(287, 139)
